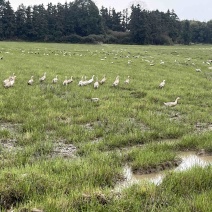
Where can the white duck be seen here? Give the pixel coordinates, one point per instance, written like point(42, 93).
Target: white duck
point(171, 104)
point(8, 79)
point(65, 82)
point(10, 83)
point(127, 81)
point(43, 77)
point(70, 80)
point(116, 82)
point(30, 82)
point(55, 79)
point(103, 80)
point(90, 80)
point(96, 84)
point(162, 84)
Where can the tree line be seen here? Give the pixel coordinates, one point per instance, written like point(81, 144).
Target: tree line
point(81, 21)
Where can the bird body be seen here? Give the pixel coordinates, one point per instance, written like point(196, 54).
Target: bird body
point(127, 81)
point(30, 82)
point(70, 80)
point(171, 104)
point(198, 70)
point(43, 77)
point(94, 99)
point(10, 83)
point(55, 79)
point(96, 84)
point(116, 82)
point(90, 80)
point(8, 79)
point(81, 82)
point(65, 82)
point(162, 84)
point(103, 80)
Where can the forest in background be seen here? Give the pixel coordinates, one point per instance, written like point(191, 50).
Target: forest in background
point(81, 21)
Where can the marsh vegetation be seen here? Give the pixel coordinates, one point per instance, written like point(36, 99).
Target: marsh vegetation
point(62, 151)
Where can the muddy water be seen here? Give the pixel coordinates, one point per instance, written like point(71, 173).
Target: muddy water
point(189, 160)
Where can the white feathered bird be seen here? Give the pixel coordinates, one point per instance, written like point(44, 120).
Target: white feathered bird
point(162, 84)
point(103, 80)
point(30, 82)
point(171, 104)
point(127, 81)
point(96, 84)
point(55, 79)
point(116, 82)
point(43, 77)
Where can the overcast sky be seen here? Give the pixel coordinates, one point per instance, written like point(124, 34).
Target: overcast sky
point(185, 9)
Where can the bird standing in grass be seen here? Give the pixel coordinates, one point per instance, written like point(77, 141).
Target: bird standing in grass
point(96, 84)
point(103, 80)
point(171, 104)
point(10, 83)
point(65, 82)
point(55, 79)
point(30, 82)
point(116, 82)
point(70, 80)
point(8, 79)
point(43, 77)
point(127, 81)
point(162, 84)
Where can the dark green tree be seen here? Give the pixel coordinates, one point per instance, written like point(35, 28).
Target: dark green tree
point(39, 23)
point(138, 25)
point(209, 31)
point(186, 32)
point(20, 17)
point(2, 4)
point(8, 21)
point(87, 18)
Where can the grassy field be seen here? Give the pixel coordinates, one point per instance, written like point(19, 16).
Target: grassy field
point(61, 151)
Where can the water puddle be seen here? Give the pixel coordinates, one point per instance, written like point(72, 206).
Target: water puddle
point(189, 160)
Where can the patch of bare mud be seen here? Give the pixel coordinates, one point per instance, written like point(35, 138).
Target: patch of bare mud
point(203, 127)
point(91, 125)
point(139, 124)
point(175, 117)
point(62, 149)
point(97, 140)
point(9, 144)
point(11, 127)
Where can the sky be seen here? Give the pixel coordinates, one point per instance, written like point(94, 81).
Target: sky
point(185, 9)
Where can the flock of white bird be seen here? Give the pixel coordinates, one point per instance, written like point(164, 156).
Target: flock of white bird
point(9, 82)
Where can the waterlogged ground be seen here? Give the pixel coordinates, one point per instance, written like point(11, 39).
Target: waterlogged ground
point(77, 148)
point(188, 160)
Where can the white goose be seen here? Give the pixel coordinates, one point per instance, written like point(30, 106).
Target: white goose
point(65, 82)
point(8, 79)
point(55, 79)
point(171, 104)
point(96, 84)
point(116, 82)
point(70, 80)
point(103, 80)
point(43, 77)
point(162, 84)
point(10, 83)
point(30, 82)
point(127, 81)
point(90, 80)
point(81, 82)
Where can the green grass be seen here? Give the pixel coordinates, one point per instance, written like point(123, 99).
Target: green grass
point(36, 119)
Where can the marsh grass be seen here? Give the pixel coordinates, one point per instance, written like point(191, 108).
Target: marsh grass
point(152, 158)
point(34, 119)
